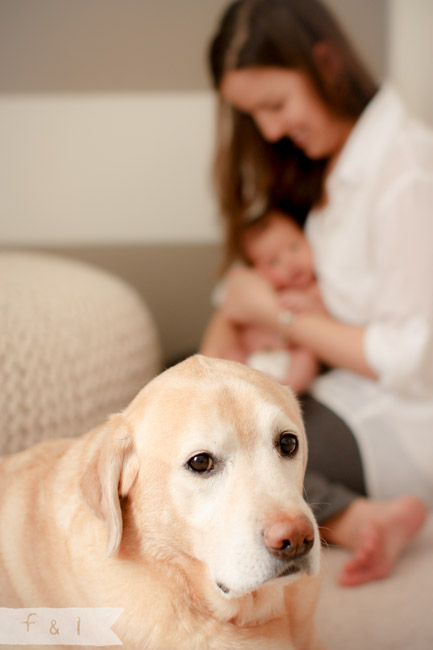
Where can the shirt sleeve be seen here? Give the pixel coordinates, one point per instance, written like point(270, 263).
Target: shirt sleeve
point(398, 343)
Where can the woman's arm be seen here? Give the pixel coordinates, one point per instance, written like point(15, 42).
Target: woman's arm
point(395, 346)
point(334, 343)
point(221, 335)
point(249, 299)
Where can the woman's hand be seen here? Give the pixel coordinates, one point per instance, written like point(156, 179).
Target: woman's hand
point(249, 298)
point(300, 301)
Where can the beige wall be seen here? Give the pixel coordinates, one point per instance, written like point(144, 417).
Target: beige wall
point(106, 131)
point(410, 53)
point(106, 168)
point(106, 118)
point(104, 45)
point(133, 45)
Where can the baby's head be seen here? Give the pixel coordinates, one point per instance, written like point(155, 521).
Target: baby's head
point(277, 248)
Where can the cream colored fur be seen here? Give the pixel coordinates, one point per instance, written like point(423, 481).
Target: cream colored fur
point(118, 518)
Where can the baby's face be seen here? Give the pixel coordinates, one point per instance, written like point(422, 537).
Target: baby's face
point(281, 254)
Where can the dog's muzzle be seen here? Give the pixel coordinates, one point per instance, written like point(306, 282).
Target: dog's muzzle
point(289, 539)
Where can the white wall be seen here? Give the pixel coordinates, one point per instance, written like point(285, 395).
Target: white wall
point(106, 168)
point(410, 53)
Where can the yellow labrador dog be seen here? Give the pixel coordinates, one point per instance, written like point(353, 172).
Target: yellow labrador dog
point(185, 510)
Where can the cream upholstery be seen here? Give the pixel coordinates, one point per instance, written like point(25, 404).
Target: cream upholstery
point(390, 614)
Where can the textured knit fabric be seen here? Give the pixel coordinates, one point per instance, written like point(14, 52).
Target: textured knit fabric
point(76, 344)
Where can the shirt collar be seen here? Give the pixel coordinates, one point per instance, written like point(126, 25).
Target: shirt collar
point(370, 136)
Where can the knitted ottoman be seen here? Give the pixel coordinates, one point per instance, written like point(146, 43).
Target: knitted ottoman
point(76, 344)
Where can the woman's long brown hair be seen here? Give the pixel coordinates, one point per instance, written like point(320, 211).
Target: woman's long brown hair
point(251, 174)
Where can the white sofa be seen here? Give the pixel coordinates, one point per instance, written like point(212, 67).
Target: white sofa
point(391, 614)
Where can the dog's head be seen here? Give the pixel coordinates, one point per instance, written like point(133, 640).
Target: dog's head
point(209, 461)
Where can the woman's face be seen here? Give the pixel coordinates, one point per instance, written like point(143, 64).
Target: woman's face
point(283, 103)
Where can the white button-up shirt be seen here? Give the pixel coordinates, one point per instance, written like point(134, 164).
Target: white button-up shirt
point(373, 249)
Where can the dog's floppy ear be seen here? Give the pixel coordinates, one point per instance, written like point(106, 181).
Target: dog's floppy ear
point(109, 475)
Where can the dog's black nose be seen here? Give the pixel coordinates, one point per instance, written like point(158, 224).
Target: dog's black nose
point(289, 538)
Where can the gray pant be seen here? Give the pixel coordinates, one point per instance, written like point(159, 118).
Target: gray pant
point(334, 475)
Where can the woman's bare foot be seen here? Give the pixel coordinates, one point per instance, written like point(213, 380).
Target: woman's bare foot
point(378, 532)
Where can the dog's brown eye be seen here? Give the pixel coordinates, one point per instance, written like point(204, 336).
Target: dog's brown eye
point(201, 463)
point(288, 444)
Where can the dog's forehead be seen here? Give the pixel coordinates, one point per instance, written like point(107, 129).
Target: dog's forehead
point(212, 393)
point(249, 404)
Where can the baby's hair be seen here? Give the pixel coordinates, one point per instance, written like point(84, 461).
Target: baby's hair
point(254, 227)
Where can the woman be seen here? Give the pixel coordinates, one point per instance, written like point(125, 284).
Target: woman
point(302, 125)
